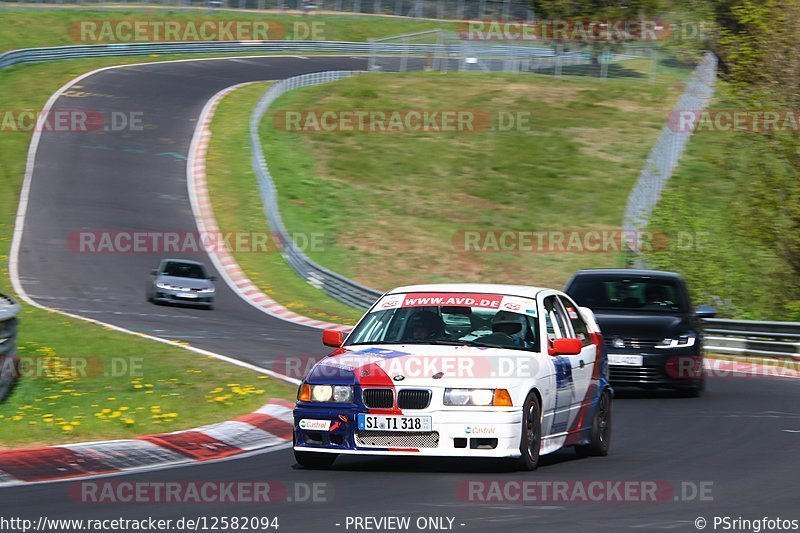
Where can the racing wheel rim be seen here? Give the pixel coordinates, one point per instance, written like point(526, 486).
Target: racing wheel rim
point(602, 419)
point(532, 431)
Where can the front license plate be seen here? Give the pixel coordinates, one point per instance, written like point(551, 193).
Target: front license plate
point(393, 423)
point(625, 360)
point(187, 295)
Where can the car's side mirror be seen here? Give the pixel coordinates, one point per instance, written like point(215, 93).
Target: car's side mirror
point(333, 338)
point(566, 347)
point(212, 278)
point(705, 311)
point(154, 272)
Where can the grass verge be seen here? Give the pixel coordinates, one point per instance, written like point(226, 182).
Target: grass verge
point(60, 27)
point(238, 208)
point(80, 381)
point(706, 205)
point(393, 206)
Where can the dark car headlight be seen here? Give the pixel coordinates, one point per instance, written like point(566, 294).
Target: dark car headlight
point(684, 341)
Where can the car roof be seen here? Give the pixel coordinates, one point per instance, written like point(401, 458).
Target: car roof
point(624, 272)
point(190, 261)
point(480, 288)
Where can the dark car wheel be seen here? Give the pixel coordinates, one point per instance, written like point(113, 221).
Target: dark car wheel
point(601, 430)
point(531, 439)
point(314, 460)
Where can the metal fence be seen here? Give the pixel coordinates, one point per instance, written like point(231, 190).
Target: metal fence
point(668, 149)
point(336, 285)
point(8, 343)
point(747, 337)
point(33, 55)
point(432, 9)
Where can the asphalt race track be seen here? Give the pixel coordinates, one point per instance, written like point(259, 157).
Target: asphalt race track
point(136, 181)
point(738, 443)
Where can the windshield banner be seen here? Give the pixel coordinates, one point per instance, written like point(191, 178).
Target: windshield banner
point(499, 302)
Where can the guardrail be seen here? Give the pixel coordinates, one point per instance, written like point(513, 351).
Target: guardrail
point(748, 337)
point(54, 53)
point(8, 343)
point(336, 285)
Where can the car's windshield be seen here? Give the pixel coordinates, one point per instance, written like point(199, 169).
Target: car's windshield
point(486, 320)
point(183, 270)
point(629, 294)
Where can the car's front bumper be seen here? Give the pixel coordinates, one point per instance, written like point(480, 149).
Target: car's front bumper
point(659, 369)
point(473, 433)
point(183, 297)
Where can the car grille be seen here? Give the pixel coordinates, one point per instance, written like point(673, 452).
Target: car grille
point(633, 344)
point(394, 439)
point(638, 374)
point(379, 398)
point(413, 399)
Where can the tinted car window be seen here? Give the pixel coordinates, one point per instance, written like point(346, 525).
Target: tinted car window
point(629, 294)
point(184, 270)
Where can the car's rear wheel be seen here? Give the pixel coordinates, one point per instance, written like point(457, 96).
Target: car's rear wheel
point(531, 438)
point(601, 429)
point(314, 460)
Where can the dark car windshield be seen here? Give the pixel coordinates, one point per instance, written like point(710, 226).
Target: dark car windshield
point(629, 294)
point(486, 320)
point(184, 270)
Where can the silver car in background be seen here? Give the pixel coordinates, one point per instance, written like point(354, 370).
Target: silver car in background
point(181, 281)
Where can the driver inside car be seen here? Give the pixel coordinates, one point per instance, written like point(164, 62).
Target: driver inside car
point(424, 325)
point(514, 325)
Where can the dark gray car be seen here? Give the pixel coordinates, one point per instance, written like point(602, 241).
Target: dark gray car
point(181, 281)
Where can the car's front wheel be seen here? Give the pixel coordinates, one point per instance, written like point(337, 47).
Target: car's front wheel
point(601, 429)
point(314, 460)
point(531, 438)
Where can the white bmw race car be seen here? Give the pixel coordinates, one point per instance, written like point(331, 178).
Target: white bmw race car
point(459, 370)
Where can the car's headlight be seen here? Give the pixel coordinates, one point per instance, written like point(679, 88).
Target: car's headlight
point(684, 341)
point(163, 285)
point(206, 290)
point(325, 393)
point(477, 397)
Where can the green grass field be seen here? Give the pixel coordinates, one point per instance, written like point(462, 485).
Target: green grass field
point(707, 201)
point(392, 204)
point(25, 28)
